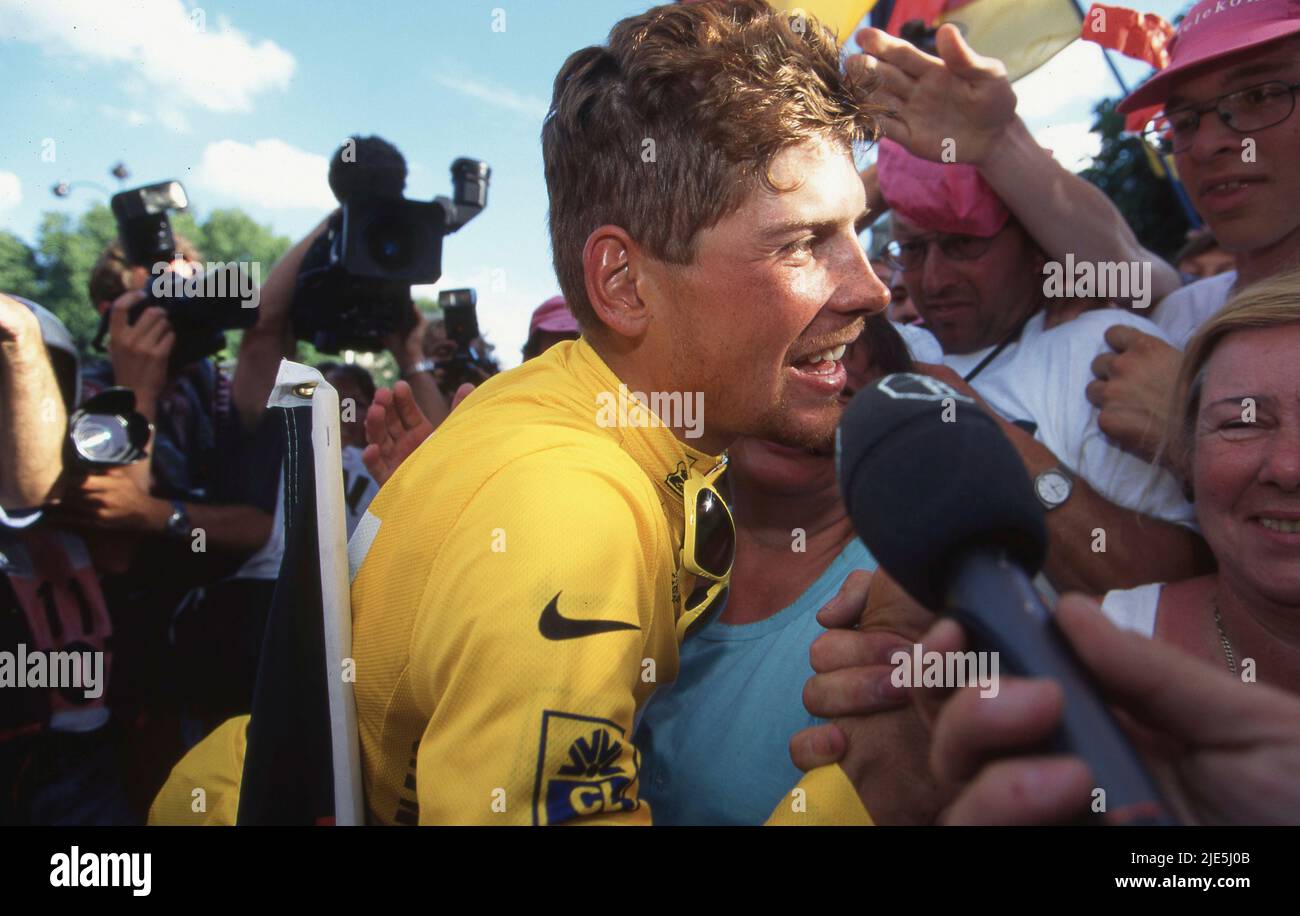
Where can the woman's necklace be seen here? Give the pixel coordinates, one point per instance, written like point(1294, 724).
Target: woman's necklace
point(1223, 635)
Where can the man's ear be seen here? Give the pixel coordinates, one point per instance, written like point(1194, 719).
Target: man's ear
point(609, 264)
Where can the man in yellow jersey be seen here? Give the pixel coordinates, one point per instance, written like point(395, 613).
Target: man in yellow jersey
point(521, 584)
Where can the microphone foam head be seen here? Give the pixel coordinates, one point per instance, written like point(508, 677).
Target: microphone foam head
point(926, 474)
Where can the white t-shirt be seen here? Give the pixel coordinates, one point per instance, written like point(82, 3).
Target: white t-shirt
point(1184, 310)
point(924, 346)
point(1133, 608)
point(1040, 381)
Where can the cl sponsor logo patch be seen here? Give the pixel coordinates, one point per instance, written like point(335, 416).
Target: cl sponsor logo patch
point(584, 767)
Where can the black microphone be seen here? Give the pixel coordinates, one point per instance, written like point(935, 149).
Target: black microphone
point(941, 499)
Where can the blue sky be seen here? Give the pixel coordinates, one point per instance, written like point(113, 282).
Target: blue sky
point(246, 109)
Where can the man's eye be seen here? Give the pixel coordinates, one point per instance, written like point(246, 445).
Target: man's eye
point(800, 246)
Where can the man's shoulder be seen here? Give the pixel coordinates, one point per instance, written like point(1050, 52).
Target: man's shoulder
point(1086, 333)
point(1186, 309)
point(1210, 289)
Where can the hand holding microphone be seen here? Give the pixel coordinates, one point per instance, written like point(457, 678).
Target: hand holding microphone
point(1223, 752)
point(940, 497)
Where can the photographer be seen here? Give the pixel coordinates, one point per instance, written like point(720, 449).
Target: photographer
point(63, 747)
point(194, 480)
point(197, 514)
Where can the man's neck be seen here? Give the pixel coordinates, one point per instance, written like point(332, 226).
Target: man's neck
point(1260, 263)
point(645, 377)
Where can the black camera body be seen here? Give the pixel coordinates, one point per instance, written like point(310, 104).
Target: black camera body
point(354, 286)
point(198, 316)
point(199, 321)
point(460, 315)
point(143, 223)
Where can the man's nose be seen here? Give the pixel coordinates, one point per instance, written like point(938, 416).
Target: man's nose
point(1213, 138)
point(937, 271)
point(859, 290)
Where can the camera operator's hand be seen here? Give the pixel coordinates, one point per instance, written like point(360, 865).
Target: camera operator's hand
point(1221, 751)
point(395, 427)
point(408, 353)
point(113, 500)
point(408, 348)
point(140, 351)
point(271, 338)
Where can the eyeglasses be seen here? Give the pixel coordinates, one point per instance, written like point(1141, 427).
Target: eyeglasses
point(1252, 108)
point(708, 548)
point(909, 254)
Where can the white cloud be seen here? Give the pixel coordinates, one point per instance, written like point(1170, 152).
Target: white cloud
point(132, 117)
point(11, 191)
point(269, 173)
point(206, 64)
point(174, 120)
point(498, 96)
point(1072, 144)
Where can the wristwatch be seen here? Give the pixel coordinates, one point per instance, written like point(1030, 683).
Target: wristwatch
point(178, 523)
point(1053, 487)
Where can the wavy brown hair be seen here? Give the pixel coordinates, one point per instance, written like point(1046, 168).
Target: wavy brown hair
point(719, 88)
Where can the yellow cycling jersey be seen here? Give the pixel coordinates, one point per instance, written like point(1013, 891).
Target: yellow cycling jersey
point(516, 586)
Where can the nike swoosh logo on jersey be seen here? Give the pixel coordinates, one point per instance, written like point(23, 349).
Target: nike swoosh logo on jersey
point(555, 627)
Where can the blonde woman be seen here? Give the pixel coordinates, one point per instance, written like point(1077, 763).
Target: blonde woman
point(1235, 438)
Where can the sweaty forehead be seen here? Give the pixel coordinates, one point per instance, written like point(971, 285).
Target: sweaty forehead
point(814, 180)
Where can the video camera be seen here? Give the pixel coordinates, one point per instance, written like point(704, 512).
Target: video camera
point(354, 287)
point(200, 309)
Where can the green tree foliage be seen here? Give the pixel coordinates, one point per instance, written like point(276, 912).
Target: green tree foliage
point(1123, 172)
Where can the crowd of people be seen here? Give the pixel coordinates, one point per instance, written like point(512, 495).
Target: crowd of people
point(557, 617)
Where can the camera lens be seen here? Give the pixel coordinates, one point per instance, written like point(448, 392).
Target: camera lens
point(389, 243)
point(101, 438)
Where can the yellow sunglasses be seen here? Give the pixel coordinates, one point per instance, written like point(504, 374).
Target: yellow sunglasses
point(708, 548)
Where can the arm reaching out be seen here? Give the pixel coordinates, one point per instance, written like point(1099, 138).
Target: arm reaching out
point(964, 103)
point(31, 411)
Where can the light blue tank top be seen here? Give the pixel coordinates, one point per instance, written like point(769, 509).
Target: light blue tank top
point(715, 743)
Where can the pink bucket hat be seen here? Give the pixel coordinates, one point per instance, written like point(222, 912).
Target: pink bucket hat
point(938, 196)
point(1212, 30)
point(553, 315)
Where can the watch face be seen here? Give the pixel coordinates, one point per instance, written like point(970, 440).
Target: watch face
point(1053, 487)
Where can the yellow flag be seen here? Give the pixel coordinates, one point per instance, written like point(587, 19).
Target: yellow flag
point(842, 16)
point(1023, 34)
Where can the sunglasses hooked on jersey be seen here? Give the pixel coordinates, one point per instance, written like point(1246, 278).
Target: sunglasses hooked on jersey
point(708, 547)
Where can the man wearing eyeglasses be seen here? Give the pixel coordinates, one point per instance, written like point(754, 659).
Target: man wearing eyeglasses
point(1229, 119)
point(975, 275)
